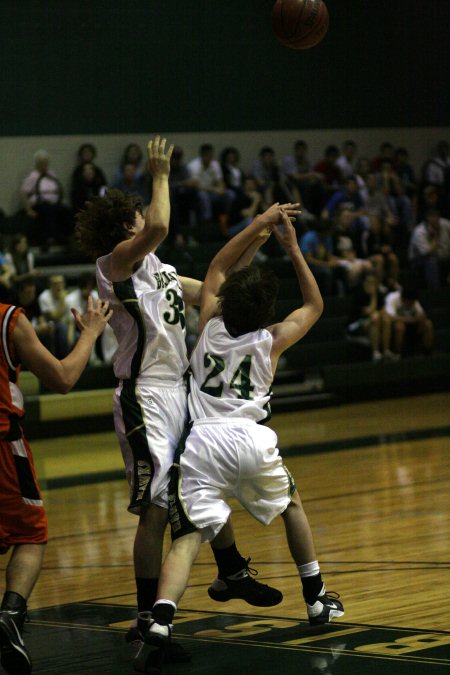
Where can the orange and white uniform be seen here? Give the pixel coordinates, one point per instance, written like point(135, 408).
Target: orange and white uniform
point(22, 515)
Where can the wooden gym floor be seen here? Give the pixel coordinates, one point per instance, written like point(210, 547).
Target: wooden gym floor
point(375, 483)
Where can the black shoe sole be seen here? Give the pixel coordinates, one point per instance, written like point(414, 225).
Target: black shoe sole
point(224, 596)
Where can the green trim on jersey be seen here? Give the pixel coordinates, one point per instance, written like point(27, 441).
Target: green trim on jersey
point(125, 292)
point(131, 410)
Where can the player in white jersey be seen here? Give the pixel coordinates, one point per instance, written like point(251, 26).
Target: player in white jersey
point(150, 404)
point(228, 453)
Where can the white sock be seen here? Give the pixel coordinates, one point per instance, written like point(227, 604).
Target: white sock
point(309, 569)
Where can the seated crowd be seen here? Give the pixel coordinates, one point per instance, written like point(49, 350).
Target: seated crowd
point(370, 229)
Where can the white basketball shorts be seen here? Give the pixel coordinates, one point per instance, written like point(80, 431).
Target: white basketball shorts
point(226, 458)
point(149, 420)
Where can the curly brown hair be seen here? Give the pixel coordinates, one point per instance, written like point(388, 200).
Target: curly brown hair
point(100, 225)
point(247, 299)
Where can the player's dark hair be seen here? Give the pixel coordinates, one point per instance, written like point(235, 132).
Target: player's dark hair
point(100, 225)
point(247, 299)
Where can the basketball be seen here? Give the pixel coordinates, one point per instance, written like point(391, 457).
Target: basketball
point(300, 24)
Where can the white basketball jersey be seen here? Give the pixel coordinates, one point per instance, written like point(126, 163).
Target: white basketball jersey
point(148, 320)
point(231, 376)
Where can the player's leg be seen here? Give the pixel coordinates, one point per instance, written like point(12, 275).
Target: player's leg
point(23, 526)
point(321, 606)
point(172, 584)
point(147, 557)
point(22, 573)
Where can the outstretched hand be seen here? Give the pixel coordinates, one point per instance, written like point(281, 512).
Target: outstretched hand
point(274, 214)
point(285, 232)
point(94, 318)
point(158, 157)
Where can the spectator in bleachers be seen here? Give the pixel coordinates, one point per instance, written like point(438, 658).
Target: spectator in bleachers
point(429, 198)
point(377, 246)
point(429, 250)
point(361, 173)
point(78, 297)
point(233, 175)
point(182, 200)
point(411, 327)
point(212, 198)
point(53, 307)
point(27, 298)
point(348, 195)
point(436, 171)
point(301, 177)
point(346, 246)
point(318, 248)
point(6, 281)
point(132, 154)
point(86, 154)
point(42, 196)
point(87, 182)
point(386, 153)
point(399, 203)
point(271, 182)
point(329, 172)
point(248, 203)
point(368, 318)
point(405, 172)
point(134, 180)
point(347, 161)
point(20, 258)
point(376, 201)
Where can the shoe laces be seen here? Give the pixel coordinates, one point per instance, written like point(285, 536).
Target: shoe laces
point(251, 570)
point(331, 594)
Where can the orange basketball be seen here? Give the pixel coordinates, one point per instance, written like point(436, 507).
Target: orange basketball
point(300, 24)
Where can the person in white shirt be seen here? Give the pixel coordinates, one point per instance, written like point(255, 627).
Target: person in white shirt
point(429, 250)
point(347, 160)
point(212, 198)
point(410, 324)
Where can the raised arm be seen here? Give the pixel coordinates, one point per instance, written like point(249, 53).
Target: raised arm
point(298, 323)
point(237, 253)
point(145, 239)
point(60, 376)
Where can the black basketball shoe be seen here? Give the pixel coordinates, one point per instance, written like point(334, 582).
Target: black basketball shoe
point(326, 608)
point(242, 586)
point(150, 657)
point(174, 651)
point(13, 653)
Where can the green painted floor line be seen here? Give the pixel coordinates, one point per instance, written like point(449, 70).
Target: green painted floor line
point(290, 451)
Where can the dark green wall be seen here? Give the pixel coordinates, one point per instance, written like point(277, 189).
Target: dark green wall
point(87, 66)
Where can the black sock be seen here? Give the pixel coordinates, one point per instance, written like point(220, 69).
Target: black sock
point(146, 593)
point(14, 602)
point(311, 588)
point(229, 560)
point(163, 613)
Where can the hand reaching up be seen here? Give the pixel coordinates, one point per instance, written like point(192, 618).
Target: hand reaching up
point(158, 158)
point(285, 232)
point(94, 318)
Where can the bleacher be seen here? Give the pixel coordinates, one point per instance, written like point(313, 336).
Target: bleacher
point(325, 368)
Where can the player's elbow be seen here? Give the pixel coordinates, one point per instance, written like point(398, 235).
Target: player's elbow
point(318, 307)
